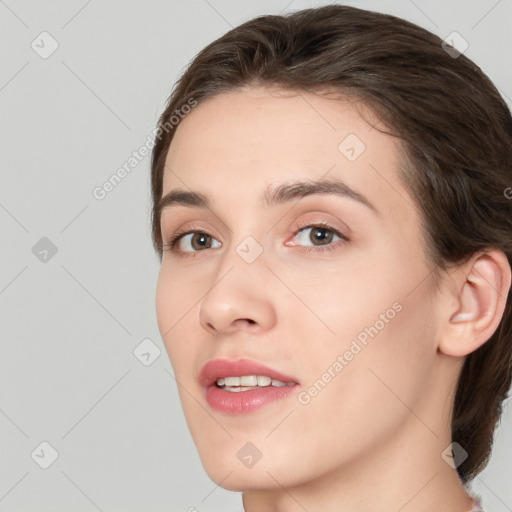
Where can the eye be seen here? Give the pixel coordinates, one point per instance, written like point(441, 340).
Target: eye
point(319, 236)
point(192, 241)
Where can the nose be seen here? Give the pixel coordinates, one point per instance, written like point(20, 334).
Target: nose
point(238, 300)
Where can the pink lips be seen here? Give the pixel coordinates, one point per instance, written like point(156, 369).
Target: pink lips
point(243, 401)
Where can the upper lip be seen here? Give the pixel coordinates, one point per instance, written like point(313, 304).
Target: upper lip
point(221, 368)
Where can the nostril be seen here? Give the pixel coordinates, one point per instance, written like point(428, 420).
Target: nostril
point(242, 322)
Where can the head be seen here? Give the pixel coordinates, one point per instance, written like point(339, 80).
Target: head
point(406, 293)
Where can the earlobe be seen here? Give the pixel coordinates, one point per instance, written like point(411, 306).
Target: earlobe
point(483, 285)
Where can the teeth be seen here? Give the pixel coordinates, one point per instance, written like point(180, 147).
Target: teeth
point(263, 380)
point(249, 380)
point(246, 382)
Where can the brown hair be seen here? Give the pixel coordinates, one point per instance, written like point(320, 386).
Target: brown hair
point(455, 130)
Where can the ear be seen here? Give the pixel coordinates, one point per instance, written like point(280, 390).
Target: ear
point(478, 297)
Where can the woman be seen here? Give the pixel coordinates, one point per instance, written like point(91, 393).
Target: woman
point(333, 219)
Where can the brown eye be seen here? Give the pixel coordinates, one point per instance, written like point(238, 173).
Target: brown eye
point(200, 241)
point(315, 236)
point(193, 241)
point(321, 235)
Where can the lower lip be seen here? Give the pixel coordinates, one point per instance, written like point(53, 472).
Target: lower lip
point(243, 402)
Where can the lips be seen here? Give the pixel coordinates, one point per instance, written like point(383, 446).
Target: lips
point(247, 400)
point(221, 368)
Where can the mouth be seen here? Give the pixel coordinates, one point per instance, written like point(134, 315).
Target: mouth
point(243, 385)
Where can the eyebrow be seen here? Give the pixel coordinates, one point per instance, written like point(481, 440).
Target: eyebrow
point(272, 196)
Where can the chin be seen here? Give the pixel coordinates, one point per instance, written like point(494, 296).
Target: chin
point(231, 466)
point(241, 479)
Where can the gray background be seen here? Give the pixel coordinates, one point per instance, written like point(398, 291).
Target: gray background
point(70, 323)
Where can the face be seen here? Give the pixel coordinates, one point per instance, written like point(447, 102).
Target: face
point(321, 286)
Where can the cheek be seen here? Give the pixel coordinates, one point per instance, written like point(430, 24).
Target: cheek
point(384, 334)
point(175, 296)
point(174, 303)
point(165, 302)
point(363, 404)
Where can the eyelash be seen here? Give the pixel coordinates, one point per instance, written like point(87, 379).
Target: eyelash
point(171, 245)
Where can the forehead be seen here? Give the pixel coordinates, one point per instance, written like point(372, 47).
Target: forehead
point(234, 145)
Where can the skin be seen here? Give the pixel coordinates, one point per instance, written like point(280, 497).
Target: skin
point(372, 438)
